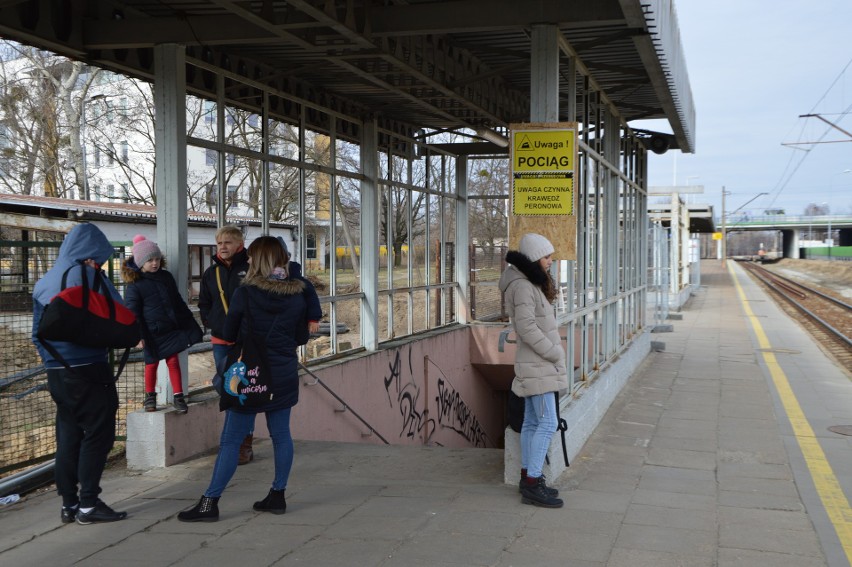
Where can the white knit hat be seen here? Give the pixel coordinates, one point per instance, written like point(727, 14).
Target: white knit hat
point(535, 246)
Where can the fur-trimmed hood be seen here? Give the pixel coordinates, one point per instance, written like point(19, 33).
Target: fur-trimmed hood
point(276, 286)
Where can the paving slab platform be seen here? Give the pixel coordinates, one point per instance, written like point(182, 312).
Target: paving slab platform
point(699, 462)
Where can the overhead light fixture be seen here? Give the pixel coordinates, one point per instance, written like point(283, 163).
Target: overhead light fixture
point(491, 136)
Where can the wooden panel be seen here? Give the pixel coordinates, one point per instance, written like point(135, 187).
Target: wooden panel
point(560, 229)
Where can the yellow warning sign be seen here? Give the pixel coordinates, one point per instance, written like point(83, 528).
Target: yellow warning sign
point(543, 150)
point(546, 194)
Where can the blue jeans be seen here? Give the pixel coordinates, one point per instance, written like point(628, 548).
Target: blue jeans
point(220, 354)
point(540, 424)
point(237, 426)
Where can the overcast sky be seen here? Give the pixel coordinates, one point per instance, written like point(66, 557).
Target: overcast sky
point(754, 68)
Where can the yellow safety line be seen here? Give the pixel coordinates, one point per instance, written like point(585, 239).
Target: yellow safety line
point(830, 492)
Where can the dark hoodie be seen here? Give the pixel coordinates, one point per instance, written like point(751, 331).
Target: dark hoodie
point(84, 242)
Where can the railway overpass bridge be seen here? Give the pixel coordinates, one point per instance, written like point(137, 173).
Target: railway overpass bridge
point(796, 230)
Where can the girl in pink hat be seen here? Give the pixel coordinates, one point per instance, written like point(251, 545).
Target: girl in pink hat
point(168, 326)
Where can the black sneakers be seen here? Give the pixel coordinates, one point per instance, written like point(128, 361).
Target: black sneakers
point(180, 403)
point(99, 514)
point(150, 403)
point(537, 495)
point(68, 514)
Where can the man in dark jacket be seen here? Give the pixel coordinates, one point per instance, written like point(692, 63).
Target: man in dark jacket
point(230, 265)
point(85, 395)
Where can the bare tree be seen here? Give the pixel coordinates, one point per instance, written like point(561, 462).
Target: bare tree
point(487, 210)
point(41, 97)
point(814, 210)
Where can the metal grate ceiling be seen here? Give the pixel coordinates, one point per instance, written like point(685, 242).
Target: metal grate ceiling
point(439, 64)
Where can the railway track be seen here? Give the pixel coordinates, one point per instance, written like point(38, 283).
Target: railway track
point(828, 319)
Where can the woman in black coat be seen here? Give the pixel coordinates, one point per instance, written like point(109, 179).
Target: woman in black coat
point(273, 306)
point(168, 326)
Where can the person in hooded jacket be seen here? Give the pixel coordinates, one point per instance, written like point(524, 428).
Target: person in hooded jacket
point(168, 326)
point(277, 304)
point(292, 270)
point(85, 396)
point(540, 369)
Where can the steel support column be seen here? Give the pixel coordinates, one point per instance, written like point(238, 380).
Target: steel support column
point(370, 204)
point(544, 74)
point(170, 173)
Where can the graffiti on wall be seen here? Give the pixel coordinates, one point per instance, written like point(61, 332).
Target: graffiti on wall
point(455, 414)
point(403, 391)
point(452, 411)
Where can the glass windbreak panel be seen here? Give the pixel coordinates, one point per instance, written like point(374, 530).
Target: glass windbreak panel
point(449, 267)
point(317, 148)
point(393, 315)
point(200, 118)
point(283, 140)
point(385, 317)
point(419, 169)
point(348, 236)
point(398, 226)
point(283, 193)
point(435, 306)
point(436, 230)
point(383, 165)
point(488, 216)
point(486, 263)
point(201, 182)
point(418, 246)
point(437, 173)
point(450, 306)
point(387, 219)
point(242, 129)
point(420, 315)
point(400, 314)
point(240, 184)
point(348, 153)
point(348, 323)
point(318, 200)
point(316, 251)
point(250, 175)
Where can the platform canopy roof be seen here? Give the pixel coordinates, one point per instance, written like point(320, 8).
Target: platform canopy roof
point(435, 64)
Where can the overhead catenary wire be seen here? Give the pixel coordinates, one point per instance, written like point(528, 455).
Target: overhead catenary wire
point(794, 164)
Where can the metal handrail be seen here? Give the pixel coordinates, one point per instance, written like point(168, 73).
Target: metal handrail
point(339, 399)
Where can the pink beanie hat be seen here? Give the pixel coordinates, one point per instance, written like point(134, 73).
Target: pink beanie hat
point(144, 250)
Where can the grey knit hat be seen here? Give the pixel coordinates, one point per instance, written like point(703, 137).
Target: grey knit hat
point(535, 246)
point(144, 250)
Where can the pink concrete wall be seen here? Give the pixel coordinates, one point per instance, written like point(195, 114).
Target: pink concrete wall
point(424, 392)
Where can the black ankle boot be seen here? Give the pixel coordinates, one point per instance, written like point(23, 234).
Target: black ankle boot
point(274, 502)
point(548, 489)
point(534, 492)
point(207, 510)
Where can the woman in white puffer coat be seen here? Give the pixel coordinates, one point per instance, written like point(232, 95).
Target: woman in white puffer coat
point(540, 370)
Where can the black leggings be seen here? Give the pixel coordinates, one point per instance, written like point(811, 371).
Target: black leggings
point(86, 404)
